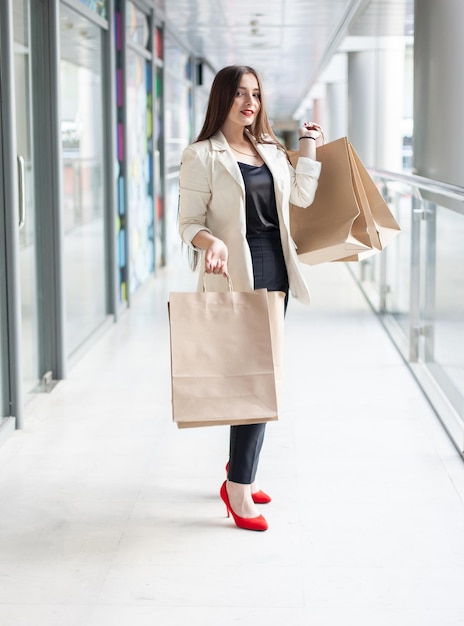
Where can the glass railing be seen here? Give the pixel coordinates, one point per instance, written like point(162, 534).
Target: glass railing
point(416, 285)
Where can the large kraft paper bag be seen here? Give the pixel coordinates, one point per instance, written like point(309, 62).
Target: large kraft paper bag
point(349, 218)
point(226, 357)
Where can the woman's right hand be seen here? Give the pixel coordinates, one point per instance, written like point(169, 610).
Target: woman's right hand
point(216, 256)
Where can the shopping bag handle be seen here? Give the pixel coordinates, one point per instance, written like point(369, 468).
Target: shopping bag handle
point(229, 282)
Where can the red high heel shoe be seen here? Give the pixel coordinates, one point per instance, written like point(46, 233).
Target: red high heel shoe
point(248, 523)
point(259, 497)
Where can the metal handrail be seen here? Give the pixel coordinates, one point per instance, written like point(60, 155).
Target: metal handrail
point(456, 192)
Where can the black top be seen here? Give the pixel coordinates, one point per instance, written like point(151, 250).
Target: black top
point(261, 209)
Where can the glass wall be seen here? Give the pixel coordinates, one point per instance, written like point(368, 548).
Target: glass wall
point(447, 311)
point(121, 157)
point(98, 6)
point(178, 126)
point(27, 233)
point(139, 147)
point(83, 166)
point(159, 172)
point(416, 285)
point(203, 86)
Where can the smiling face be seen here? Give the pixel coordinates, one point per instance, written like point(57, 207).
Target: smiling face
point(247, 102)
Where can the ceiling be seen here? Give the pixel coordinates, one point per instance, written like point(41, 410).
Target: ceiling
point(290, 42)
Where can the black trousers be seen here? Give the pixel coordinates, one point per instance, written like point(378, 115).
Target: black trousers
point(269, 272)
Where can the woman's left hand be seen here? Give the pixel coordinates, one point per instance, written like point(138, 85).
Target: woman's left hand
point(310, 129)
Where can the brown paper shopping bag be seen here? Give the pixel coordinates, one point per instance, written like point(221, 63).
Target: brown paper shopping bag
point(384, 223)
point(226, 356)
point(348, 218)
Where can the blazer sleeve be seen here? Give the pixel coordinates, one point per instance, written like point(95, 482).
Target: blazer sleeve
point(194, 195)
point(305, 178)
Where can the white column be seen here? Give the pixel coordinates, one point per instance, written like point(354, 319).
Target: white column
point(376, 103)
point(336, 110)
point(390, 107)
point(361, 104)
point(438, 138)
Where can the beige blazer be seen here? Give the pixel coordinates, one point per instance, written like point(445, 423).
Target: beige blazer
point(212, 198)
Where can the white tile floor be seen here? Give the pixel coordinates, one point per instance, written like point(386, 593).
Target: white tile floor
point(110, 516)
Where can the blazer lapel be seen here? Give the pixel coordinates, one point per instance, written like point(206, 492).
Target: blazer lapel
point(225, 156)
point(273, 159)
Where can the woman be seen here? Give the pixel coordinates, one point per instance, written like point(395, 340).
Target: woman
point(236, 183)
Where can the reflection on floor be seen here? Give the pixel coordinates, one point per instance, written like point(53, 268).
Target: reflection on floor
point(111, 516)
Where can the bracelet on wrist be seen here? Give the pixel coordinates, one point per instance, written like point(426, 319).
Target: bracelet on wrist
point(307, 137)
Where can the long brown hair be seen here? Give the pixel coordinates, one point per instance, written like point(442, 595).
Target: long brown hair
point(221, 98)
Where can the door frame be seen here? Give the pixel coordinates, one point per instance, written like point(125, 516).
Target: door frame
point(10, 199)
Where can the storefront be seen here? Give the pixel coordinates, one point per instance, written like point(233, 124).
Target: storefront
point(89, 156)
